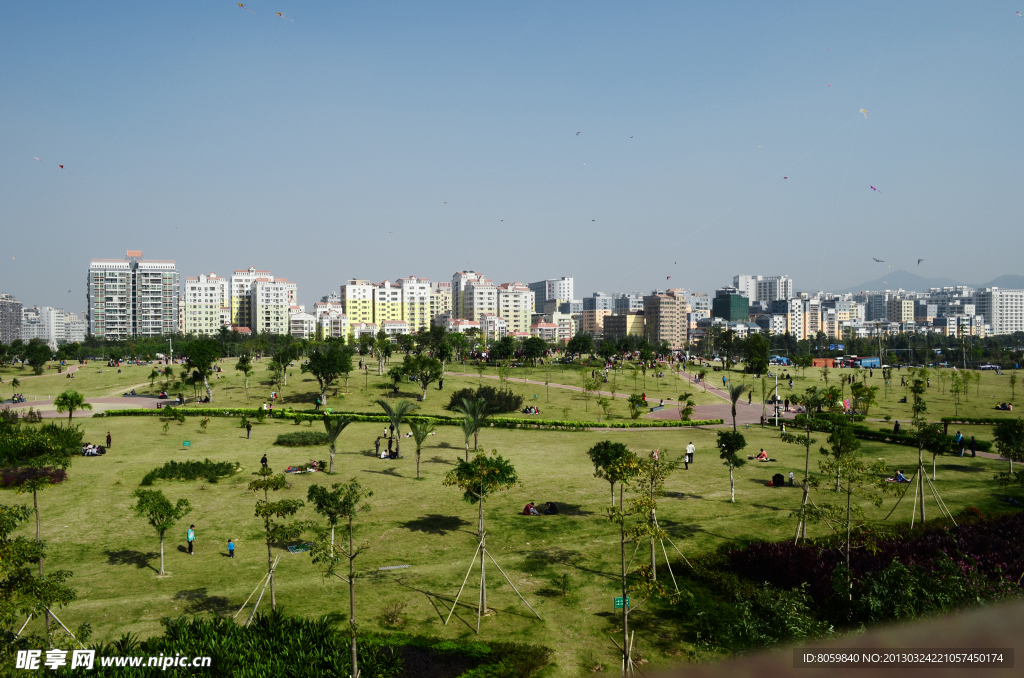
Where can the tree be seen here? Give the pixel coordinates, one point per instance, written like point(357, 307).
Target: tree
point(605, 405)
point(580, 344)
point(444, 353)
point(37, 354)
point(534, 348)
point(469, 428)
point(381, 348)
point(810, 400)
point(420, 431)
point(478, 479)
point(334, 427)
point(865, 396)
point(267, 510)
point(728, 343)
point(340, 502)
point(200, 356)
point(651, 476)
point(154, 507)
point(735, 391)
point(477, 411)
point(937, 442)
point(686, 406)
point(244, 365)
point(326, 363)
point(1013, 386)
point(503, 348)
point(606, 457)
point(729, 444)
point(843, 443)
point(21, 592)
point(425, 369)
point(636, 405)
point(1009, 438)
point(396, 414)
point(857, 476)
point(756, 350)
point(70, 401)
point(284, 353)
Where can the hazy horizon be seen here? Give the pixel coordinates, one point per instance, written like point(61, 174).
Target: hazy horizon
point(618, 144)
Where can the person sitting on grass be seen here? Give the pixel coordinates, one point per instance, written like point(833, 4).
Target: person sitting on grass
point(762, 456)
point(551, 510)
point(529, 510)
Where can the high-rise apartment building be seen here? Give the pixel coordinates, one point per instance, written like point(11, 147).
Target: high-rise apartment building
point(241, 294)
point(440, 299)
point(900, 310)
point(415, 302)
point(387, 302)
point(205, 297)
point(134, 297)
point(552, 288)
point(763, 288)
point(478, 297)
point(730, 305)
point(459, 282)
point(515, 305)
point(627, 303)
point(10, 319)
point(269, 307)
point(357, 301)
point(1003, 310)
point(665, 318)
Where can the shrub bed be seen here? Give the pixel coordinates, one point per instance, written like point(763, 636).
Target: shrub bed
point(191, 470)
point(302, 439)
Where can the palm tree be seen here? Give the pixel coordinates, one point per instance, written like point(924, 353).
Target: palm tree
point(396, 414)
point(420, 431)
point(477, 411)
point(735, 391)
point(334, 428)
point(469, 429)
point(71, 401)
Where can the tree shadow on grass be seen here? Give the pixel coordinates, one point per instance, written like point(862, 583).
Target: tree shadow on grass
point(439, 460)
point(390, 471)
point(129, 557)
point(198, 601)
point(961, 468)
point(766, 506)
point(435, 524)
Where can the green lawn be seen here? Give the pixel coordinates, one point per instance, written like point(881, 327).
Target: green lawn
point(92, 531)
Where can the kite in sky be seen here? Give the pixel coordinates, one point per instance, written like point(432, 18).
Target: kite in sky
point(785, 177)
point(1019, 14)
point(37, 158)
point(919, 261)
point(881, 261)
point(873, 188)
point(245, 8)
point(864, 113)
point(281, 14)
point(668, 277)
point(577, 133)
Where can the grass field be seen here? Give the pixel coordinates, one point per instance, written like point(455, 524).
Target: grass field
point(91, 530)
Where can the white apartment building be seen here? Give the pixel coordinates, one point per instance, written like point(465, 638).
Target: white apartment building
point(302, 325)
point(133, 297)
point(332, 324)
point(764, 288)
point(416, 293)
point(392, 328)
point(552, 288)
point(478, 297)
point(10, 319)
point(1003, 310)
point(545, 330)
point(359, 329)
point(357, 301)
point(204, 298)
point(440, 299)
point(240, 289)
point(461, 325)
point(493, 326)
point(459, 282)
point(269, 307)
point(515, 305)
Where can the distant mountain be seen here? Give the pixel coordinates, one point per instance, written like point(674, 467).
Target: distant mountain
point(1007, 282)
point(899, 279)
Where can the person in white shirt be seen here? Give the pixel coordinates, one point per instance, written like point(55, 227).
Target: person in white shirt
point(688, 459)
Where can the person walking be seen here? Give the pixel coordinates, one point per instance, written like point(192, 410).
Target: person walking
point(248, 430)
point(974, 447)
point(109, 440)
point(263, 461)
point(231, 549)
point(750, 397)
point(376, 446)
point(191, 538)
point(688, 457)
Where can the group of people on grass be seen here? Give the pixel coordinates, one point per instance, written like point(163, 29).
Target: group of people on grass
point(551, 509)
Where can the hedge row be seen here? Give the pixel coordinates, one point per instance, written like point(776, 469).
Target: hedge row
point(973, 420)
point(440, 419)
point(884, 435)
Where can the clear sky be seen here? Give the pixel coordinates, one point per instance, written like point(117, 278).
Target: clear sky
point(617, 142)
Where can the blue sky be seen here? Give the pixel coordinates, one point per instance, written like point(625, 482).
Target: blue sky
point(385, 139)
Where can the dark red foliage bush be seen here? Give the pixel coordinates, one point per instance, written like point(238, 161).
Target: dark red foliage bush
point(12, 477)
point(993, 544)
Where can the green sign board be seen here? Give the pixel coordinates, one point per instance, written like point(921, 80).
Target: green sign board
point(618, 602)
point(187, 443)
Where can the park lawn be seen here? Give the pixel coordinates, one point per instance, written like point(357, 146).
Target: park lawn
point(91, 530)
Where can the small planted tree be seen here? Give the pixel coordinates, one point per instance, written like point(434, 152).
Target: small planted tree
point(200, 356)
point(478, 479)
point(158, 510)
point(334, 426)
point(606, 457)
point(1009, 438)
point(729, 445)
point(650, 479)
point(70, 401)
point(860, 479)
point(341, 502)
point(267, 511)
point(636, 405)
point(420, 431)
point(686, 406)
point(327, 362)
point(810, 400)
point(842, 443)
point(244, 365)
point(396, 415)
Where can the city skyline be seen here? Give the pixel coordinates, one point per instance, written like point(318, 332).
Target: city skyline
point(619, 145)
